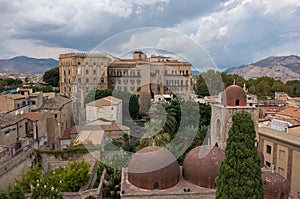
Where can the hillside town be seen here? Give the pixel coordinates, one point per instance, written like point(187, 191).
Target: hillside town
point(106, 106)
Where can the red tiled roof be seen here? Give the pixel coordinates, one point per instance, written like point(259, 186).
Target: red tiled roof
point(114, 127)
point(33, 116)
point(106, 101)
point(291, 112)
point(67, 134)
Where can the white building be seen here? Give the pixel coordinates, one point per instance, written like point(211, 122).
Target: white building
point(108, 108)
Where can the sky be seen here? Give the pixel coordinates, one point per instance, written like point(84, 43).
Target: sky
point(228, 33)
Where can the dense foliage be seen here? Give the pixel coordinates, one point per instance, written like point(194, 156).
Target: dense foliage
point(9, 83)
point(240, 173)
point(212, 82)
point(52, 77)
point(52, 182)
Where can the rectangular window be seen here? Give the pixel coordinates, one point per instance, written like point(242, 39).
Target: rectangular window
point(269, 149)
point(87, 71)
point(281, 171)
point(268, 164)
point(95, 71)
point(281, 154)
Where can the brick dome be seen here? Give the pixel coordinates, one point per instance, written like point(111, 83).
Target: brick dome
point(234, 95)
point(201, 165)
point(275, 186)
point(153, 168)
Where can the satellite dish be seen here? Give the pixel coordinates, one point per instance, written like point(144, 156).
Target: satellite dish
point(22, 112)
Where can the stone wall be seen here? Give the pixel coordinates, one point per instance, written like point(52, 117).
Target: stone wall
point(13, 169)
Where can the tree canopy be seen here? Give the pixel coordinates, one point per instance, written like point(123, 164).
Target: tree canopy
point(52, 77)
point(240, 173)
point(212, 82)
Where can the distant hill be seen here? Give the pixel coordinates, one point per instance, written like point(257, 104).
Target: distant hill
point(23, 64)
point(283, 68)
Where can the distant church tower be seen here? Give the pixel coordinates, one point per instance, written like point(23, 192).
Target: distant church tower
point(233, 100)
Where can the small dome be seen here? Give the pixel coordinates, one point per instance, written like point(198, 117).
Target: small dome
point(275, 185)
point(234, 95)
point(153, 168)
point(201, 165)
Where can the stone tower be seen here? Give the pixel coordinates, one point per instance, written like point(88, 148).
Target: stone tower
point(233, 100)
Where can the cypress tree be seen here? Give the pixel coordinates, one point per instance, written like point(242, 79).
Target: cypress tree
point(240, 173)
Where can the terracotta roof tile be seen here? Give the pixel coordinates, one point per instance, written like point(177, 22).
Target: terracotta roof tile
point(114, 127)
point(33, 116)
point(8, 119)
point(106, 101)
point(291, 112)
point(55, 103)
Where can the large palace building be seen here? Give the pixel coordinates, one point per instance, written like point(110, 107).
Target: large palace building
point(145, 76)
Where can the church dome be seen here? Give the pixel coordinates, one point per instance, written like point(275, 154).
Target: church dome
point(153, 168)
point(201, 165)
point(234, 95)
point(275, 185)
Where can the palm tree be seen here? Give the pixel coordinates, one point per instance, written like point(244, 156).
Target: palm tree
point(167, 116)
point(155, 135)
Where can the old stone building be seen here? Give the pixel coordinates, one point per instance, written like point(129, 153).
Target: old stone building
point(13, 133)
point(10, 102)
point(145, 76)
point(37, 128)
point(149, 76)
point(59, 118)
point(233, 100)
point(82, 72)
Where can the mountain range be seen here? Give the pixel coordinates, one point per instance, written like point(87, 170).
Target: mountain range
point(23, 64)
point(282, 68)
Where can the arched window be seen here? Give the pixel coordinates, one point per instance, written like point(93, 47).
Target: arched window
point(282, 196)
point(156, 186)
point(237, 102)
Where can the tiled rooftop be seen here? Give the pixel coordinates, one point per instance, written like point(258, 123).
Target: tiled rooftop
point(55, 103)
point(33, 116)
point(106, 101)
point(9, 119)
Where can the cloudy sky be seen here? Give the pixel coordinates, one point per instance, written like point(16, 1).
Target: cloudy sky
point(230, 33)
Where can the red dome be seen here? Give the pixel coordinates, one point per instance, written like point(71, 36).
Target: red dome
point(201, 165)
point(275, 186)
point(153, 168)
point(234, 95)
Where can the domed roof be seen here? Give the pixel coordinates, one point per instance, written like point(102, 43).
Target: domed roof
point(153, 168)
point(201, 165)
point(234, 95)
point(275, 185)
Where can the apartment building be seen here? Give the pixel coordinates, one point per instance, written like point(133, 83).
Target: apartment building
point(279, 139)
point(59, 118)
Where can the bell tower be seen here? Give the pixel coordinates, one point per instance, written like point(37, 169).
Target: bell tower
point(233, 100)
